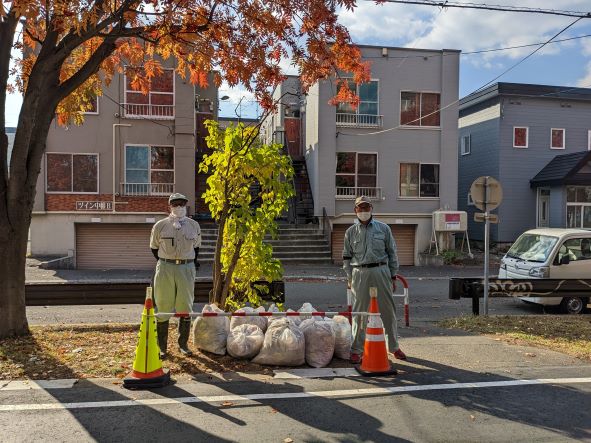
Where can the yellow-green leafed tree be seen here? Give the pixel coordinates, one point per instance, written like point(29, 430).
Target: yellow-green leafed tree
point(249, 188)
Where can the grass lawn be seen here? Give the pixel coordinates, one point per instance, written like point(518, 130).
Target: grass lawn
point(567, 334)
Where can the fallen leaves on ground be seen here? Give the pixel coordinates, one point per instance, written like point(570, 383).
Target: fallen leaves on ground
point(104, 351)
point(563, 333)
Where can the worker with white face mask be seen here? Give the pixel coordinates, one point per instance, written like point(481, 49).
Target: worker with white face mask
point(175, 243)
point(370, 260)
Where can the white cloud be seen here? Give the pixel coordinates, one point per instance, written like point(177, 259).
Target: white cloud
point(585, 82)
point(465, 29)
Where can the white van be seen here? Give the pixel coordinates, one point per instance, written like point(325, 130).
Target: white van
point(551, 253)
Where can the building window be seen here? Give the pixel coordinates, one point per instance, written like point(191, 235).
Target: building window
point(419, 180)
point(367, 113)
point(469, 201)
point(149, 170)
point(420, 109)
point(520, 137)
point(465, 144)
point(157, 103)
point(557, 138)
point(588, 140)
point(578, 207)
point(357, 174)
point(72, 173)
point(92, 106)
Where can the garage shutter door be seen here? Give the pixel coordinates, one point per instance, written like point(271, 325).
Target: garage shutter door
point(114, 246)
point(403, 234)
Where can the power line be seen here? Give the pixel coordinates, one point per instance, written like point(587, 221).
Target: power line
point(523, 9)
point(475, 91)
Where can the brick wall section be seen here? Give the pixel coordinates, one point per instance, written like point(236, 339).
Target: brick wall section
point(67, 202)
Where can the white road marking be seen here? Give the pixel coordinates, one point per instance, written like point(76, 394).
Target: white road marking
point(21, 385)
point(288, 395)
point(316, 373)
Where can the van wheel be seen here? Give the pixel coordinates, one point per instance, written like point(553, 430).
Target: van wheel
point(573, 305)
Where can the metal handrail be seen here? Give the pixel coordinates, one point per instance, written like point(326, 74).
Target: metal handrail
point(137, 110)
point(147, 189)
point(351, 193)
point(326, 227)
point(359, 120)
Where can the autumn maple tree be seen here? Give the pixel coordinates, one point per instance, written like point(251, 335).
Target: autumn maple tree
point(59, 53)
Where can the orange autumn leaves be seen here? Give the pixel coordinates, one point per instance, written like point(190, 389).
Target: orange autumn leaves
point(242, 41)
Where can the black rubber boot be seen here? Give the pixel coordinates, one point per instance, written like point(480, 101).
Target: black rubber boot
point(184, 328)
point(162, 330)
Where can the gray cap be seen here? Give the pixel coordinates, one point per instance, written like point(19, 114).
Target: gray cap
point(362, 199)
point(177, 196)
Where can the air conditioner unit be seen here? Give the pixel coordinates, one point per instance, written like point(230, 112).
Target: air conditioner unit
point(450, 221)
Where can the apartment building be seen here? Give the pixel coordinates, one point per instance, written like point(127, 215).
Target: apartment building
point(105, 183)
point(398, 147)
point(536, 140)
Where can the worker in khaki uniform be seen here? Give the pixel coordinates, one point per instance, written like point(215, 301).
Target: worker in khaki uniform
point(175, 243)
point(370, 260)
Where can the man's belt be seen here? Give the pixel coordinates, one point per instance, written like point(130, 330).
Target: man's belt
point(176, 261)
point(370, 265)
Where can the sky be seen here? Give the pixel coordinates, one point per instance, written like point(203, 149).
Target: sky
point(413, 26)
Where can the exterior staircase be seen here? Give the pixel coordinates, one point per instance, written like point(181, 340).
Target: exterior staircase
point(301, 210)
point(294, 244)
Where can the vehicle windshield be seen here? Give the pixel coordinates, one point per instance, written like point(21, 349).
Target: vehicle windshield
point(532, 247)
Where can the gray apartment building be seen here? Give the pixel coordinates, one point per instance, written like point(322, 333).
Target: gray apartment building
point(103, 184)
point(536, 141)
point(398, 147)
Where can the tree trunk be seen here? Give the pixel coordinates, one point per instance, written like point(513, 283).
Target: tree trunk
point(12, 280)
point(218, 280)
point(228, 276)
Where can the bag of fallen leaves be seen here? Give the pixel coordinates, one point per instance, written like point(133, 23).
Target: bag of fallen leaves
point(210, 333)
point(261, 322)
point(307, 307)
point(284, 345)
point(343, 337)
point(245, 341)
point(320, 339)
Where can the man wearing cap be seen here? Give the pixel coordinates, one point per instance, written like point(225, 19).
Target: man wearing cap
point(175, 243)
point(370, 260)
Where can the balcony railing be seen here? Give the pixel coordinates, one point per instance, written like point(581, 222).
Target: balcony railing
point(163, 112)
point(147, 189)
point(346, 193)
point(359, 120)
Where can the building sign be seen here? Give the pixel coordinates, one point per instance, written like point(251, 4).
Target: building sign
point(94, 206)
point(452, 222)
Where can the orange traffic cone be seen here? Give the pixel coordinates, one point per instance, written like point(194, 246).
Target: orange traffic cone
point(147, 368)
point(375, 354)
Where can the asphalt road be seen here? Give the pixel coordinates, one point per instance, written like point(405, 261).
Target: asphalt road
point(429, 302)
point(454, 387)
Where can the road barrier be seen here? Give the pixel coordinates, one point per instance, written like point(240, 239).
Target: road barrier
point(474, 288)
point(263, 314)
point(111, 293)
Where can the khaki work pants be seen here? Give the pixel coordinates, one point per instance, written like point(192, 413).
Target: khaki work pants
point(174, 288)
point(380, 278)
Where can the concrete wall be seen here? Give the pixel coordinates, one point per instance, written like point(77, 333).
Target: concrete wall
point(55, 233)
point(422, 71)
point(52, 226)
point(96, 136)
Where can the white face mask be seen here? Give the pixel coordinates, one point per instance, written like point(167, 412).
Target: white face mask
point(364, 216)
point(178, 211)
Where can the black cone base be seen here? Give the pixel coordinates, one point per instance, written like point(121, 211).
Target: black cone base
point(131, 382)
point(390, 371)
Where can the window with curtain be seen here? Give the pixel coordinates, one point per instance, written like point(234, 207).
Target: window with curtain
point(149, 169)
point(419, 180)
point(72, 173)
point(420, 109)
